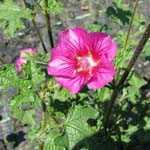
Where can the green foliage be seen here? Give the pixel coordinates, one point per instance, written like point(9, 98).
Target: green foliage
point(119, 13)
point(11, 17)
point(27, 83)
point(23, 107)
point(8, 77)
point(94, 27)
point(123, 55)
point(76, 124)
point(103, 94)
point(27, 104)
point(52, 141)
point(133, 89)
point(132, 92)
point(146, 52)
point(62, 94)
point(37, 77)
point(54, 6)
point(70, 132)
point(67, 119)
point(52, 90)
point(125, 137)
point(119, 3)
point(147, 123)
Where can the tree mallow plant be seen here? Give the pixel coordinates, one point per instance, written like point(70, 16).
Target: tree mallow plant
point(49, 87)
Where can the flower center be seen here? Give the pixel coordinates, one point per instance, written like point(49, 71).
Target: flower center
point(86, 64)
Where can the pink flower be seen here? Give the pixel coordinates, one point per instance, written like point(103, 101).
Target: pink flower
point(21, 60)
point(83, 58)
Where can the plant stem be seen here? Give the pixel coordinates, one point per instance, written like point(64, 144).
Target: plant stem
point(130, 25)
point(39, 34)
point(119, 85)
point(42, 146)
point(136, 54)
point(128, 33)
point(48, 22)
point(115, 92)
point(36, 28)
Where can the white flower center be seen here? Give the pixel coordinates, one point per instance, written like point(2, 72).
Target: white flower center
point(86, 63)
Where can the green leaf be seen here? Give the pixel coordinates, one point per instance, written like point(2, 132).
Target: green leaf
point(136, 81)
point(57, 92)
point(146, 52)
point(76, 124)
point(133, 90)
point(147, 123)
point(94, 27)
point(37, 75)
point(103, 94)
point(23, 107)
point(51, 142)
point(11, 16)
point(125, 137)
point(62, 94)
point(33, 72)
point(29, 117)
point(54, 6)
point(8, 76)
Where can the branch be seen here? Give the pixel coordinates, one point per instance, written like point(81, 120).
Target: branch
point(130, 25)
point(48, 22)
point(39, 34)
point(36, 28)
point(119, 85)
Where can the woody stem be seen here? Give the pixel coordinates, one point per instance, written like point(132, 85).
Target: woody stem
point(48, 22)
point(119, 85)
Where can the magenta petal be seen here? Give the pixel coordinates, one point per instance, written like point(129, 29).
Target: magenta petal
point(72, 84)
point(103, 76)
point(73, 39)
point(19, 63)
point(22, 58)
point(59, 52)
point(61, 66)
point(103, 44)
point(70, 43)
